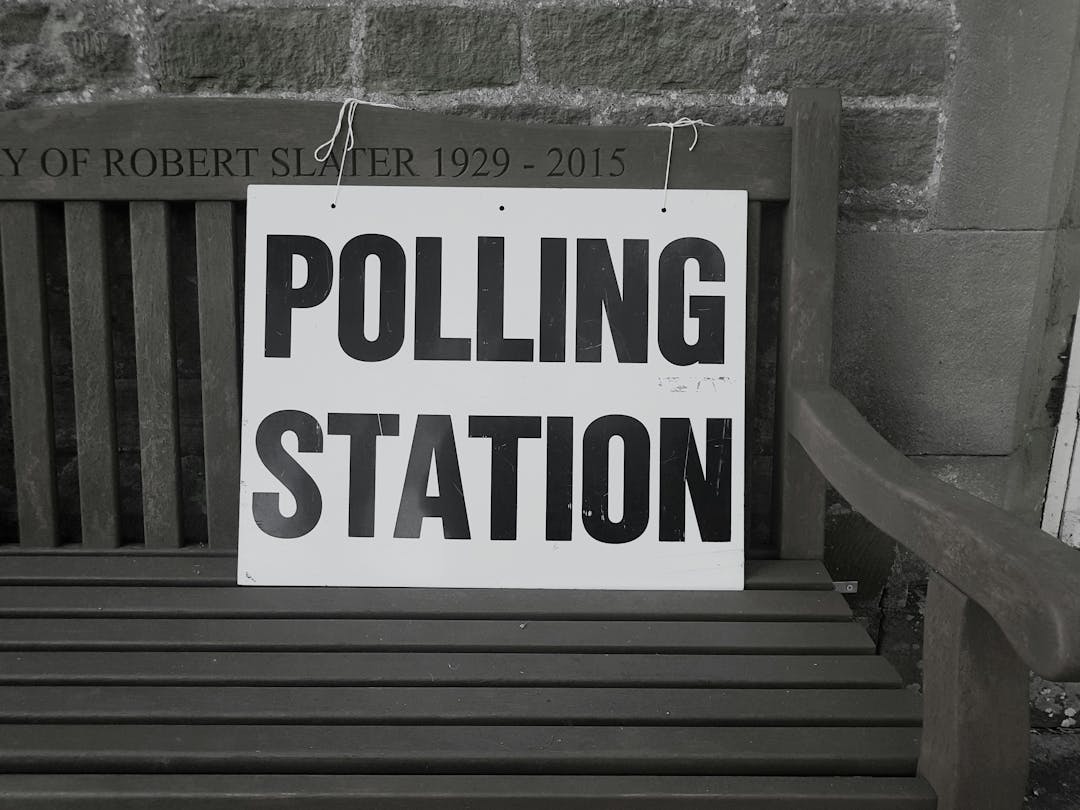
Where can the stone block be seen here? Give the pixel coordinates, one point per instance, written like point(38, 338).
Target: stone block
point(1071, 219)
point(22, 24)
point(100, 54)
point(441, 48)
point(931, 332)
point(1011, 138)
point(982, 476)
point(886, 145)
point(640, 48)
point(249, 49)
point(63, 47)
point(1043, 385)
point(722, 114)
point(25, 66)
point(863, 51)
point(525, 113)
point(893, 207)
point(1060, 325)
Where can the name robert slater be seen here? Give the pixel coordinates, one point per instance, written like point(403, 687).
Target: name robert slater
point(601, 295)
point(204, 161)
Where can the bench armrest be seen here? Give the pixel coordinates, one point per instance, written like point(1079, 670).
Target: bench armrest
point(1025, 579)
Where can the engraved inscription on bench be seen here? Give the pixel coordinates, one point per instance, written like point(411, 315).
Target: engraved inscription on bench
point(292, 161)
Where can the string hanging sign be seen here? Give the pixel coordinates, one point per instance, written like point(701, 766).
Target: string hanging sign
point(672, 126)
point(345, 116)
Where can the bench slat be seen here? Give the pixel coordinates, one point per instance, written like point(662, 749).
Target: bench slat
point(156, 367)
point(432, 668)
point(273, 130)
point(344, 603)
point(806, 293)
point(834, 751)
point(459, 705)
point(785, 574)
point(474, 792)
point(92, 370)
point(430, 634)
point(29, 371)
point(195, 568)
point(753, 273)
point(218, 338)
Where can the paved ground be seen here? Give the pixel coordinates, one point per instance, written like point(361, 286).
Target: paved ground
point(1054, 782)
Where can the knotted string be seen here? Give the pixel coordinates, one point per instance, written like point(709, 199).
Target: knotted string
point(672, 126)
point(345, 115)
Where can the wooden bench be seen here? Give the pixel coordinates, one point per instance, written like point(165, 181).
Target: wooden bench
point(134, 673)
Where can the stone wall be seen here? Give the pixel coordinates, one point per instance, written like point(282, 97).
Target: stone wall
point(728, 62)
point(960, 226)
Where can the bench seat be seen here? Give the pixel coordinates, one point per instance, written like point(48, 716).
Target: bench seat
point(128, 678)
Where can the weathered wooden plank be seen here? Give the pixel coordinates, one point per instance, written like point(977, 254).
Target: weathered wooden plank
point(126, 565)
point(156, 366)
point(974, 750)
point(192, 568)
point(806, 293)
point(459, 705)
point(30, 373)
point(158, 149)
point(753, 269)
point(785, 574)
point(415, 603)
point(753, 273)
point(1026, 580)
point(464, 669)
point(92, 370)
point(472, 792)
point(478, 635)
point(218, 342)
point(789, 751)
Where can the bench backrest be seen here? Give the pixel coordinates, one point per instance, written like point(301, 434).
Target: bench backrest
point(142, 202)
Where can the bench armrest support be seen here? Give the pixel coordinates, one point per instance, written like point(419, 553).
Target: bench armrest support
point(1026, 580)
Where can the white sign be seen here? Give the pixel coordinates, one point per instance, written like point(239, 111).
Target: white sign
point(481, 387)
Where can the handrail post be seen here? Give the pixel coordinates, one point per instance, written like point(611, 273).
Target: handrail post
point(806, 290)
point(975, 706)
